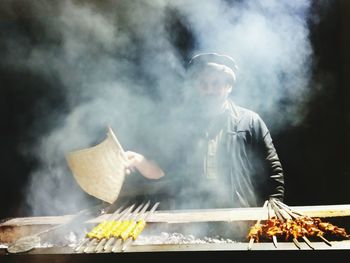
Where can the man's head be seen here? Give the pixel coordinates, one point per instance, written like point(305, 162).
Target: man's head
point(212, 77)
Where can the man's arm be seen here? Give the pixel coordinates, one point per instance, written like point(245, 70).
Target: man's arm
point(275, 169)
point(273, 163)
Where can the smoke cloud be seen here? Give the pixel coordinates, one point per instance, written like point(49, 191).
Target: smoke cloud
point(122, 63)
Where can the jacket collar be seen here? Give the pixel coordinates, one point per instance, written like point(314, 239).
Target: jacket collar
point(231, 109)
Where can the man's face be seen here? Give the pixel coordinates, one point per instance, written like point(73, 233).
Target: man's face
point(210, 92)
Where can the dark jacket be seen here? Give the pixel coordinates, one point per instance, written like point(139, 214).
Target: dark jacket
point(233, 163)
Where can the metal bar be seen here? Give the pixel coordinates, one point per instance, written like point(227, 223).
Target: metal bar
point(216, 248)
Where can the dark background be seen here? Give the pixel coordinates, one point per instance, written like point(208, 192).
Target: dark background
point(315, 154)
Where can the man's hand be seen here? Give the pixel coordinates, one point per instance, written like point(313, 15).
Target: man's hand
point(133, 160)
point(146, 167)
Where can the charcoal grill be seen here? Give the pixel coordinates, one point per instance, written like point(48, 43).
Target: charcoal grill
point(60, 246)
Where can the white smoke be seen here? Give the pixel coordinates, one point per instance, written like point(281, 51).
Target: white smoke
point(118, 66)
point(269, 41)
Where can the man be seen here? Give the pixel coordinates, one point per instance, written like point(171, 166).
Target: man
point(227, 158)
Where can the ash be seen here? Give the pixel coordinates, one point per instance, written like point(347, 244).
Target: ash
point(70, 239)
point(178, 238)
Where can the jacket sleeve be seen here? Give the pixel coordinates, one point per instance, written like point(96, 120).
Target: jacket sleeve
point(275, 181)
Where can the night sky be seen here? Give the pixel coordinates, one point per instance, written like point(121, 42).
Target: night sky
point(315, 153)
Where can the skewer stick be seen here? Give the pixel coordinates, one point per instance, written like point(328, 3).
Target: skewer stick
point(100, 245)
point(274, 239)
point(94, 241)
point(116, 236)
point(80, 247)
point(325, 240)
point(290, 211)
point(307, 241)
point(281, 217)
point(288, 208)
point(277, 211)
point(108, 245)
point(250, 245)
point(296, 242)
point(284, 209)
point(117, 245)
point(134, 235)
point(125, 232)
point(251, 240)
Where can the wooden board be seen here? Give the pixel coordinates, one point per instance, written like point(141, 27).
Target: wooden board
point(15, 228)
point(200, 215)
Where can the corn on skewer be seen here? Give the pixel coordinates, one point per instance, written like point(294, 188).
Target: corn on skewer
point(131, 226)
point(106, 230)
point(121, 224)
point(120, 228)
point(115, 232)
point(95, 234)
point(106, 235)
point(81, 245)
point(138, 228)
point(128, 227)
point(124, 235)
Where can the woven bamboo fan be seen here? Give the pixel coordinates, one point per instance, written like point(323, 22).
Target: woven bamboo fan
point(100, 170)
